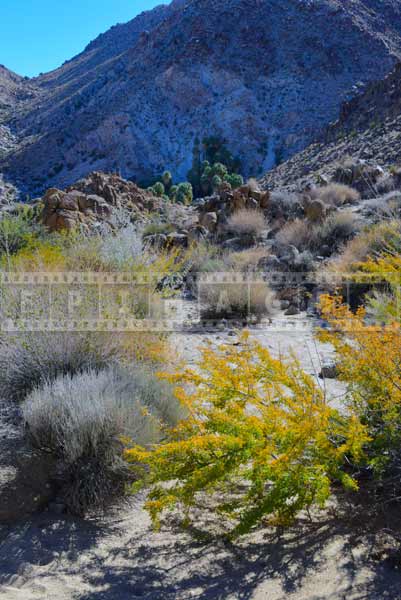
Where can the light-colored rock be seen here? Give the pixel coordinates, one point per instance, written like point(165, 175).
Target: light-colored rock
point(209, 221)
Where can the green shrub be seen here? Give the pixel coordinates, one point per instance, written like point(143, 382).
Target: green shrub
point(234, 179)
point(157, 227)
point(184, 194)
point(167, 180)
point(158, 189)
point(15, 233)
point(211, 161)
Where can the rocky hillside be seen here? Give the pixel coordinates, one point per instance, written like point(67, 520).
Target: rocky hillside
point(265, 75)
point(369, 129)
point(14, 90)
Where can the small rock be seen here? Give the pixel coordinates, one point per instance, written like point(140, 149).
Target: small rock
point(329, 371)
point(291, 311)
point(270, 263)
point(209, 221)
point(233, 244)
point(177, 240)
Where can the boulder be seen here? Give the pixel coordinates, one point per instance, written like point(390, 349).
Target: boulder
point(226, 201)
point(264, 201)
point(290, 255)
point(209, 221)
point(94, 200)
point(292, 311)
point(252, 204)
point(70, 201)
point(197, 233)
point(239, 200)
point(233, 244)
point(52, 197)
point(269, 263)
point(244, 190)
point(177, 240)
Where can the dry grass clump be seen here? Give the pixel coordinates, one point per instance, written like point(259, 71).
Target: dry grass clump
point(285, 204)
point(247, 222)
point(298, 233)
point(337, 228)
point(80, 420)
point(204, 257)
point(387, 206)
point(369, 243)
point(246, 260)
point(335, 194)
point(362, 176)
point(236, 299)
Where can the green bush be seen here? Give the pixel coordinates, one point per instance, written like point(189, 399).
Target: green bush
point(15, 234)
point(158, 189)
point(210, 160)
point(184, 194)
point(261, 441)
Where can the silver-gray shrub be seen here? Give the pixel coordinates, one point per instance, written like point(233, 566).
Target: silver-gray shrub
point(123, 247)
point(81, 420)
point(29, 359)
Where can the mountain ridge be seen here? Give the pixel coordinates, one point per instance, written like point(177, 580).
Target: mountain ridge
point(265, 75)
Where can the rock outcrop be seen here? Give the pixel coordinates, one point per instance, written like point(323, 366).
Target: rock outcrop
point(215, 210)
point(97, 199)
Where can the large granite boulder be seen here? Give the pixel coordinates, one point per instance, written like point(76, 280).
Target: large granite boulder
point(95, 200)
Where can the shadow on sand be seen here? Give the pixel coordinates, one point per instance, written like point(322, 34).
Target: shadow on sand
point(313, 561)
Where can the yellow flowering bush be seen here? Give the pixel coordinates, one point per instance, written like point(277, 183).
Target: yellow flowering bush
point(369, 360)
point(260, 434)
point(40, 256)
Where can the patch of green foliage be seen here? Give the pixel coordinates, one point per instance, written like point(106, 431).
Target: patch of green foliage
point(212, 164)
point(165, 188)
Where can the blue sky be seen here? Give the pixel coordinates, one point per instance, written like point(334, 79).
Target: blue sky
point(39, 35)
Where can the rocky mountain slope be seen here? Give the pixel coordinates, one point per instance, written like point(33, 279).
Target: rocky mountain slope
point(14, 90)
point(368, 129)
point(265, 75)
